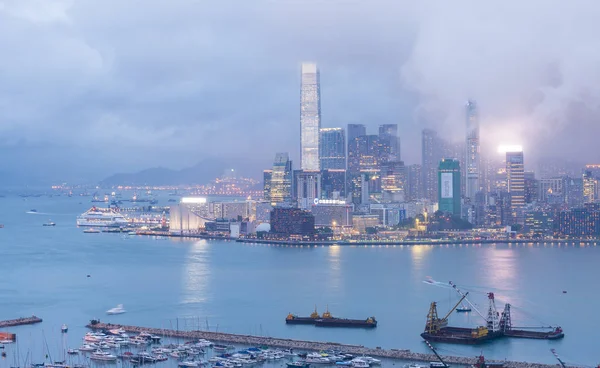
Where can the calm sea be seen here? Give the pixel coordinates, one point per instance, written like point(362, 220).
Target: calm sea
point(249, 289)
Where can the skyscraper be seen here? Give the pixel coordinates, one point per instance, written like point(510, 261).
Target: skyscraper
point(590, 187)
point(472, 157)
point(332, 150)
point(449, 186)
point(515, 183)
point(429, 158)
point(267, 175)
point(354, 131)
point(414, 179)
point(389, 142)
point(281, 180)
point(310, 117)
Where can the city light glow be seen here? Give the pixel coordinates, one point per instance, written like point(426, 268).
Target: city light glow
point(503, 148)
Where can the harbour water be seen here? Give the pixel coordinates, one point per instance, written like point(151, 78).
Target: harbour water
point(249, 289)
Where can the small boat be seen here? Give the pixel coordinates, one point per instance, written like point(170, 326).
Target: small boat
point(32, 211)
point(3, 342)
point(116, 310)
point(188, 364)
point(298, 364)
point(72, 352)
point(91, 231)
point(49, 223)
point(64, 328)
point(463, 308)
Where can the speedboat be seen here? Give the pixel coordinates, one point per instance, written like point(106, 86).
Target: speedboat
point(64, 328)
point(49, 223)
point(359, 363)
point(91, 231)
point(3, 342)
point(116, 310)
point(32, 211)
point(72, 352)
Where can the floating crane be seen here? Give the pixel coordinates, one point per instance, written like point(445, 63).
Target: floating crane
point(443, 364)
point(434, 323)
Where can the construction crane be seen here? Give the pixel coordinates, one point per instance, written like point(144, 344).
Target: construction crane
point(492, 319)
point(443, 365)
point(434, 323)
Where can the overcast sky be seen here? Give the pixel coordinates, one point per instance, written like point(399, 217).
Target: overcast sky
point(89, 87)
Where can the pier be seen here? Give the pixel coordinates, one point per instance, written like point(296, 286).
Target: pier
point(250, 340)
point(20, 321)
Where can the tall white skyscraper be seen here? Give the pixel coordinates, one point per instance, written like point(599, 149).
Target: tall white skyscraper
point(310, 117)
point(473, 161)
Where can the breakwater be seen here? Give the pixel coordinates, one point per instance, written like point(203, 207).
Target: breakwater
point(20, 321)
point(250, 340)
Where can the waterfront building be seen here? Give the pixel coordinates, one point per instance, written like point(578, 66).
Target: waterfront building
point(579, 222)
point(391, 214)
point(332, 150)
point(307, 188)
point(389, 142)
point(281, 180)
point(292, 221)
point(333, 213)
point(573, 189)
point(190, 215)
point(539, 223)
point(267, 176)
point(515, 180)
point(310, 117)
point(262, 212)
point(333, 184)
point(360, 223)
point(229, 210)
point(473, 160)
point(550, 187)
point(590, 187)
point(449, 186)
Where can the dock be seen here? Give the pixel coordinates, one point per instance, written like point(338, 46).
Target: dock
point(20, 321)
point(250, 340)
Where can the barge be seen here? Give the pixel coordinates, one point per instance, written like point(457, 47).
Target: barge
point(327, 320)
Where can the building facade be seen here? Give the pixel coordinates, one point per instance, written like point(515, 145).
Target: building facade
point(449, 186)
point(310, 117)
point(292, 221)
point(430, 158)
point(515, 181)
point(281, 180)
point(333, 149)
point(473, 159)
point(389, 142)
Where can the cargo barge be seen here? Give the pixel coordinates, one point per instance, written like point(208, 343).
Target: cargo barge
point(497, 325)
point(327, 320)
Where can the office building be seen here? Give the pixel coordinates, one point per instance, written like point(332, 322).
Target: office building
point(414, 183)
point(307, 188)
point(310, 117)
point(267, 175)
point(389, 142)
point(449, 186)
point(281, 180)
point(354, 131)
point(590, 187)
point(579, 222)
point(292, 221)
point(333, 149)
point(333, 184)
point(515, 182)
point(393, 181)
point(332, 213)
point(430, 146)
point(473, 160)
point(531, 187)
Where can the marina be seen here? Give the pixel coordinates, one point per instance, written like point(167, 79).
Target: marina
point(300, 345)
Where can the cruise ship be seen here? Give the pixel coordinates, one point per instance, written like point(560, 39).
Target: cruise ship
point(101, 217)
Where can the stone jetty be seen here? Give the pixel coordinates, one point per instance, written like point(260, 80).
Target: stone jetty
point(20, 321)
point(250, 340)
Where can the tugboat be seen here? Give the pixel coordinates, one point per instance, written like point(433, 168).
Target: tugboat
point(481, 363)
point(463, 308)
point(64, 328)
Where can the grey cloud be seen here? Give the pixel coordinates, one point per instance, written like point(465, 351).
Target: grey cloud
point(169, 83)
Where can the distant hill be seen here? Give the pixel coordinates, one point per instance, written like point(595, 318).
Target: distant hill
point(201, 173)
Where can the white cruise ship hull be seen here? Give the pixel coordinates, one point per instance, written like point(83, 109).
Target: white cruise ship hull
point(84, 222)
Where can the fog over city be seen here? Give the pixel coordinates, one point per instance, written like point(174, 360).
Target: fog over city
point(90, 88)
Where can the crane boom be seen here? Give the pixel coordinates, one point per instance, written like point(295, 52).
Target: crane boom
point(436, 354)
point(558, 358)
point(456, 306)
point(468, 301)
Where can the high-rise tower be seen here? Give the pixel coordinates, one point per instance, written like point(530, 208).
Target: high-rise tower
point(333, 149)
point(515, 183)
point(473, 163)
point(310, 117)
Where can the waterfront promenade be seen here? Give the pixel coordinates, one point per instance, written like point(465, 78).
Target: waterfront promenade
point(250, 340)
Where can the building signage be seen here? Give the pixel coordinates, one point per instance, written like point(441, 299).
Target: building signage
point(446, 185)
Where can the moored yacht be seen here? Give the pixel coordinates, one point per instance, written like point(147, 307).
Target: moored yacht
point(103, 355)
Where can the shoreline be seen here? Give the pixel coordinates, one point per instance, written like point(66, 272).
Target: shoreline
point(251, 340)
